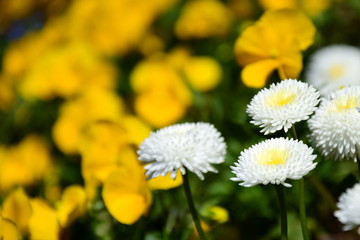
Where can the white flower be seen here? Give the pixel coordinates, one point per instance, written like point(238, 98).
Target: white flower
point(273, 161)
point(335, 126)
point(349, 208)
point(189, 145)
point(282, 105)
point(333, 67)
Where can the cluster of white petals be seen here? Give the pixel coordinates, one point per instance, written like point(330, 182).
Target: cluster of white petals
point(349, 208)
point(282, 105)
point(335, 126)
point(273, 161)
point(333, 67)
point(191, 146)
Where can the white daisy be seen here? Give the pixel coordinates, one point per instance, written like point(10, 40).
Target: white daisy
point(273, 161)
point(335, 126)
point(349, 208)
point(282, 105)
point(333, 67)
point(189, 145)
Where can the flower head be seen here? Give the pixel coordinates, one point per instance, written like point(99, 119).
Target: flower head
point(188, 145)
point(274, 42)
point(349, 208)
point(282, 105)
point(273, 161)
point(334, 66)
point(335, 126)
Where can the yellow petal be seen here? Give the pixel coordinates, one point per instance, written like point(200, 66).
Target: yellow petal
point(203, 73)
point(16, 208)
point(166, 182)
point(159, 108)
point(291, 22)
point(72, 204)
point(100, 146)
point(135, 129)
point(291, 66)
point(254, 44)
point(126, 195)
point(43, 223)
point(8, 230)
point(255, 74)
point(277, 4)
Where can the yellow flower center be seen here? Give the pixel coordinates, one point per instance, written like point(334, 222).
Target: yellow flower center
point(273, 156)
point(346, 103)
point(336, 71)
point(280, 98)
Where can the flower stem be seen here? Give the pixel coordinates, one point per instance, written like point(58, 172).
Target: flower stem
point(293, 132)
point(302, 208)
point(192, 207)
point(283, 215)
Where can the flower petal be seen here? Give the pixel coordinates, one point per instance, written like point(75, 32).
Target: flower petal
point(291, 22)
point(16, 208)
point(255, 74)
point(165, 182)
point(43, 223)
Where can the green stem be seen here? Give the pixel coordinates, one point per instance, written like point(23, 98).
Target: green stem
point(192, 207)
point(358, 163)
point(302, 208)
point(304, 228)
point(293, 132)
point(283, 215)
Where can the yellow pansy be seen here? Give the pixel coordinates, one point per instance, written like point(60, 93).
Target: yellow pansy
point(114, 26)
point(66, 70)
point(126, 193)
point(135, 129)
point(16, 208)
point(92, 105)
point(43, 223)
point(72, 204)
point(203, 73)
point(100, 147)
point(8, 230)
point(274, 42)
point(165, 182)
point(309, 6)
point(17, 162)
point(203, 18)
point(162, 96)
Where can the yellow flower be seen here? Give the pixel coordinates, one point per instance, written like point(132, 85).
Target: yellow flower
point(166, 182)
point(309, 6)
point(203, 73)
point(66, 70)
point(17, 163)
point(16, 208)
point(113, 26)
point(274, 42)
point(126, 193)
point(203, 18)
point(8, 230)
point(135, 129)
point(100, 147)
point(43, 223)
point(72, 204)
point(92, 105)
point(162, 96)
